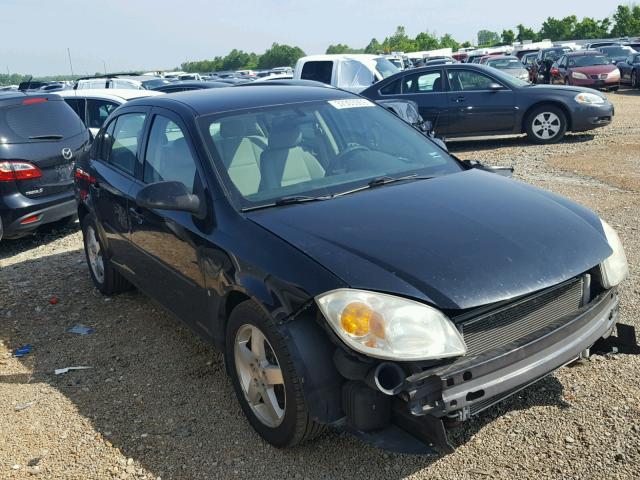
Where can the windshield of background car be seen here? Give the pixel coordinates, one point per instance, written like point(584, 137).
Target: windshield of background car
point(509, 80)
point(505, 63)
point(316, 149)
point(617, 51)
point(385, 68)
point(552, 55)
point(588, 61)
point(23, 123)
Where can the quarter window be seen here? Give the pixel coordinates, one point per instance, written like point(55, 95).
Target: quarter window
point(168, 157)
point(320, 71)
point(468, 81)
point(392, 88)
point(123, 143)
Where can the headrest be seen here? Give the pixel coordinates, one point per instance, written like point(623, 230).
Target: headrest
point(284, 134)
point(232, 127)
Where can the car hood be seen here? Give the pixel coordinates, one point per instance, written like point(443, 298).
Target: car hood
point(594, 69)
point(543, 90)
point(457, 241)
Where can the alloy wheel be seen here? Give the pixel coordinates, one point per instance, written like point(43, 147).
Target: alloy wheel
point(94, 254)
point(546, 125)
point(260, 375)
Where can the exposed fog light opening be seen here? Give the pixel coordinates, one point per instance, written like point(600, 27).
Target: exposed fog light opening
point(471, 396)
point(466, 376)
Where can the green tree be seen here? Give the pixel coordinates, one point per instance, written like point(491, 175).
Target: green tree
point(373, 47)
point(398, 42)
point(447, 41)
point(466, 44)
point(487, 38)
point(508, 37)
point(555, 29)
point(626, 21)
point(592, 28)
point(525, 33)
point(280, 56)
point(425, 41)
point(342, 48)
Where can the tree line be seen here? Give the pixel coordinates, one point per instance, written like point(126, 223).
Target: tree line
point(624, 22)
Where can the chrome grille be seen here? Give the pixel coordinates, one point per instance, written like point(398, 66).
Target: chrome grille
point(521, 318)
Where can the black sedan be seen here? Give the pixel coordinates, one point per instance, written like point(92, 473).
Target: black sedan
point(630, 70)
point(463, 100)
point(354, 274)
point(187, 85)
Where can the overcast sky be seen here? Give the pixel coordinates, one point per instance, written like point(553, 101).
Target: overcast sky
point(160, 34)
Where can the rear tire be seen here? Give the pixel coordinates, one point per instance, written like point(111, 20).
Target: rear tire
point(546, 124)
point(634, 79)
point(105, 277)
point(277, 411)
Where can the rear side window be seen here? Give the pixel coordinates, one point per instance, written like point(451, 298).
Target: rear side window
point(48, 120)
point(77, 104)
point(318, 71)
point(423, 83)
point(124, 141)
point(392, 88)
point(98, 111)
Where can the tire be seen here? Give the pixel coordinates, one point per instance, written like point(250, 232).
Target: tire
point(546, 124)
point(614, 89)
point(105, 277)
point(566, 81)
point(289, 424)
point(634, 79)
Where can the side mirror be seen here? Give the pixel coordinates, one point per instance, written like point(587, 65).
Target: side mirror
point(169, 196)
point(502, 171)
point(494, 87)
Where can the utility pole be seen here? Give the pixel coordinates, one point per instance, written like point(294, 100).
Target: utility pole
point(104, 64)
point(70, 64)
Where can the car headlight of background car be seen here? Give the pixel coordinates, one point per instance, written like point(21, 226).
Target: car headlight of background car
point(614, 269)
point(589, 99)
point(390, 327)
point(578, 75)
point(614, 75)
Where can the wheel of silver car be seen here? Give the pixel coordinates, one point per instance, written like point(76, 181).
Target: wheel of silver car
point(265, 378)
point(260, 376)
point(546, 124)
point(94, 254)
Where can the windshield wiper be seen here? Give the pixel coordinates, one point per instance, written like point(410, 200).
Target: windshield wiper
point(385, 180)
point(289, 200)
point(46, 137)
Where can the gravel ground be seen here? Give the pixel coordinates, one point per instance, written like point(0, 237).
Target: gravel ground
point(156, 402)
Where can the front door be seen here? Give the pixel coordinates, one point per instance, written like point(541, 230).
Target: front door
point(475, 108)
point(427, 89)
point(169, 243)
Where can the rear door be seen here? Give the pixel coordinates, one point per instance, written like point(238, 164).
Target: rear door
point(114, 169)
point(45, 132)
point(428, 90)
point(475, 108)
point(168, 243)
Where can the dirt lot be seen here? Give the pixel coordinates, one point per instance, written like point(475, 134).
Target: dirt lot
point(156, 402)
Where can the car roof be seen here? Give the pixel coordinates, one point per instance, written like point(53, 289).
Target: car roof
point(583, 53)
point(108, 93)
point(336, 56)
point(195, 83)
point(12, 97)
point(216, 100)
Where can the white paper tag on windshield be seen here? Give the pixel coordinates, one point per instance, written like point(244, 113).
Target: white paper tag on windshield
point(350, 103)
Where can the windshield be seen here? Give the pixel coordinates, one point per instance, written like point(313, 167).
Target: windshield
point(617, 51)
point(552, 54)
point(588, 61)
point(315, 149)
point(504, 63)
point(396, 62)
point(385, 68)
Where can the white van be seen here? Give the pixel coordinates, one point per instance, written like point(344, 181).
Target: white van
point(350, 72)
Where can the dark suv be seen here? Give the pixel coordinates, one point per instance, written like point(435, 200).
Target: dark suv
point(40, 139)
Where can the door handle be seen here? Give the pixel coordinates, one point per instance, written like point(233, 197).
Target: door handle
point(460, 100)
point(137, 215)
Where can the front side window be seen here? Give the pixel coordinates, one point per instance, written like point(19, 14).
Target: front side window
point(98, 111)
point(468, 81)
point(124, 141)
point(319, 148)
point(168, 158)
point(318, 71)
point(423, 83)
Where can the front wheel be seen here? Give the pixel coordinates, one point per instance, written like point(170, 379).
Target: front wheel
point(546, 124)
point(264, 378)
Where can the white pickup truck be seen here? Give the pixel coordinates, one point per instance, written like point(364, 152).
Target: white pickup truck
point(353, 72)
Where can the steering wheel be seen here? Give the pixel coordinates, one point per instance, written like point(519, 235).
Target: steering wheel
point(341, 160)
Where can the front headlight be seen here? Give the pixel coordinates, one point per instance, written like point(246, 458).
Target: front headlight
point(589, 99)
point(614, 269)
point(614, 74)
point(578, 75)
point(390, 327)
